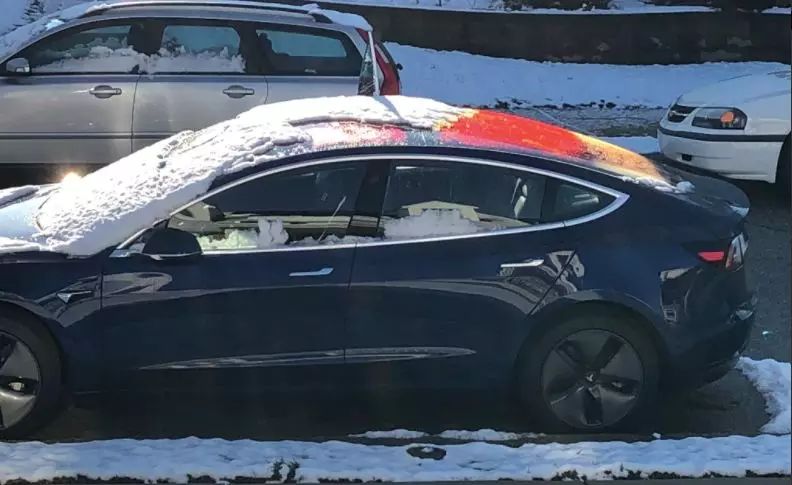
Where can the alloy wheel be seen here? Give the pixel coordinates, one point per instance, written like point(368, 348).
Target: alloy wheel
point(19, 380)
point(592, 379)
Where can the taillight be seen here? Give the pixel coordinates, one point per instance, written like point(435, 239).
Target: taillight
point(733, 257)
point(389, 83)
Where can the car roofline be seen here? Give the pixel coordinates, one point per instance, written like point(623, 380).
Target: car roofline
point(311, 11)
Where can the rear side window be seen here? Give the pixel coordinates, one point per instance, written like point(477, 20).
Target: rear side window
point(570, 201)
point(426, 199)
point(295, 51)
point(198, 49)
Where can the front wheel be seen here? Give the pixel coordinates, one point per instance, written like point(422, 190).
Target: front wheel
point(30, 377)
point(590, 373)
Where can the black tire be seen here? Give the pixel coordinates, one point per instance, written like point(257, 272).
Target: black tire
point(539, 372)
point(784, 170)
point(48, 390)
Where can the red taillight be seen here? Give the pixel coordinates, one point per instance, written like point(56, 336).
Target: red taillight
point(389, 84)
point(732, 257)
point(712, 256)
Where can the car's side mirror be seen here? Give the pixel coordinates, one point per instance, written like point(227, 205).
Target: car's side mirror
point(18, 65)
point(169, 243)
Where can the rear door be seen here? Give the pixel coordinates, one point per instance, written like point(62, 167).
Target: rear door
point(75, 105)
point(443, 299)
point(304, 62)
point(198, 73)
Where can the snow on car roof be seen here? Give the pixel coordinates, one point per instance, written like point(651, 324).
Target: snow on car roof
point(86, 216)
point(104, 208)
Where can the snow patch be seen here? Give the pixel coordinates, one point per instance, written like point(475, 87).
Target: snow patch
point(485, 435)
point(430, 222)
point(348, 19)
point(396, 434)
point(109, 205)
point(178, 460)
point(455, 77)
point(773, 380)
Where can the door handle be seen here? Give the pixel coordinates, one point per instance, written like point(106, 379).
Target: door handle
point(530, 263)
point(237, 91)
point(319, 272)
point(104, 91)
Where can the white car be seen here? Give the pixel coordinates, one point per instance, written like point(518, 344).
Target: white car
point(739, 128)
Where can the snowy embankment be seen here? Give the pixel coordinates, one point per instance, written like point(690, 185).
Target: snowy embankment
point(185, 459)
point(475, 80)
point(774, 380)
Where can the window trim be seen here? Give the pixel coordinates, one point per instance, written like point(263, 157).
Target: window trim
point(620, 198)
point(66, 31)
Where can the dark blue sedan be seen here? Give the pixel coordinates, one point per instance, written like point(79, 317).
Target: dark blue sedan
point(377, 244)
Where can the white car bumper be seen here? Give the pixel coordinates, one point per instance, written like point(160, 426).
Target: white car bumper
point(738, 159)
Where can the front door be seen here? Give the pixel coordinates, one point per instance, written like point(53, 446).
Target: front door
point(263, 307)
point(75, 104)
point(198, 73)
point(443, 300)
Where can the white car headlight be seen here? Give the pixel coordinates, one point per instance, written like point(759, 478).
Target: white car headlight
point(720, 118)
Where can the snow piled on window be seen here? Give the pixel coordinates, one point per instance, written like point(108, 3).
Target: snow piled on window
point(773, 379)
point(430, 222)
point(103, 58)
point(107, 206)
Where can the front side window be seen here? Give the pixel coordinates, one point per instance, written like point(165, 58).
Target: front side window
point(106, 49)
point(438, 198)
point(198, 49)
point(306, 52)
point(300, 207)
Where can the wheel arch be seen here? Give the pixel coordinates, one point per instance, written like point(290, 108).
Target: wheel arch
point(783, 156)
point(37, 317)
point(598, 302)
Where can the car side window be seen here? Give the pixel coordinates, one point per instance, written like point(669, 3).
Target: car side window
point(301, 207)
point(294, 51)
point(106, 49)
point(187, 48)
point(571, 201)
point(425, 199)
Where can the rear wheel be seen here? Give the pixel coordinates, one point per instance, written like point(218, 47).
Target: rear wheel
point(30, 377)
point(590, 373)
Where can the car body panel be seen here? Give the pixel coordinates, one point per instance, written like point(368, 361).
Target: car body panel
point(55, 119)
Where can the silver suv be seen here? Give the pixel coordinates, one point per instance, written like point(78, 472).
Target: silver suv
point(93, 83)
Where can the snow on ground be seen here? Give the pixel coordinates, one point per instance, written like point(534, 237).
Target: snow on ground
point(637, 144)
point(773, 380)
point(456, 77)
point(178, 460)
point(451, 434)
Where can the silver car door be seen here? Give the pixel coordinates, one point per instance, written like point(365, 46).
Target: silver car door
point(304, 62)
point(73, 105)
point(199, 76)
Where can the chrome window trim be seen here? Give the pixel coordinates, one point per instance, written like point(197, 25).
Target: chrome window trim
point(620, 199)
